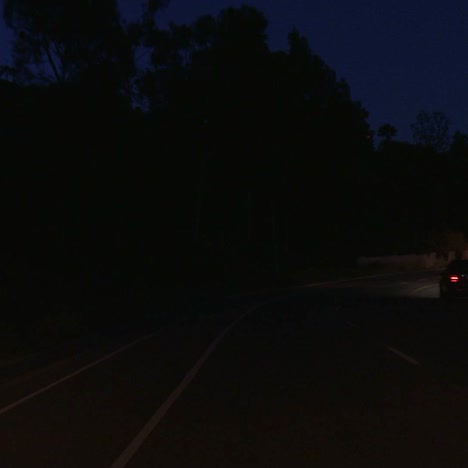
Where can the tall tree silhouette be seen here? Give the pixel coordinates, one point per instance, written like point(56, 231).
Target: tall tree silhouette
point(265, 132)
point(387, 132)
point(459, 145)
point(56, 41)
point(206, 77)
point(327, 138)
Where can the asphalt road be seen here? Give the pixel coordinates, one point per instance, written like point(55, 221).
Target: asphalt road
point(363, 373)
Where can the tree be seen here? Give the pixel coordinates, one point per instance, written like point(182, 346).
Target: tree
point(56, 41)
point(387, 132)
point(265, 133)
point(432, 129)
point(459, 145)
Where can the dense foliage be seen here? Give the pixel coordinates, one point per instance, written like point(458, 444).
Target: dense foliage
point(216, 158)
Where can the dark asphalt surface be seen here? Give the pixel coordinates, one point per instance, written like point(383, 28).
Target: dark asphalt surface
point(367, 373)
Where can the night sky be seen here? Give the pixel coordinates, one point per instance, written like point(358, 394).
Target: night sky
point(399, 57)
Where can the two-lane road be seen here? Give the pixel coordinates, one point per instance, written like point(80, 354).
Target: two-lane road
point(369, 373)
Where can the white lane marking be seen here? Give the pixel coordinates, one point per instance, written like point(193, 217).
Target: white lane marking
point(74, 374)
point(148, 428)
point(330, 282)
point(403, 356)
point(317, 283)
point(424, 287)
point(359, 278)
point(389, 348)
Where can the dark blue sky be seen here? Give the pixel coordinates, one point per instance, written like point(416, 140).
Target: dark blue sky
point(398, 57)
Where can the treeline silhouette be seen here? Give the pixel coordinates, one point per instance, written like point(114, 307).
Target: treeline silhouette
point(213, 161)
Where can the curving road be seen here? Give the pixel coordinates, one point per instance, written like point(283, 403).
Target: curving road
point(370, 373)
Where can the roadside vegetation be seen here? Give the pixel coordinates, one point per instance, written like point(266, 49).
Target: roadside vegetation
point(143, 164)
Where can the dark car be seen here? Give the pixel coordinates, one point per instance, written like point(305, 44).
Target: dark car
point(454, 280)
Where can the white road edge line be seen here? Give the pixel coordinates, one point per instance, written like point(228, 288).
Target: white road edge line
point(74, 374)
point(389, 348)
point(319, 283)
point(424, 287)
point(124, 458)
point(403, 356)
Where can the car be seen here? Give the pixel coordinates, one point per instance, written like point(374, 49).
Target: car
point(454, 280)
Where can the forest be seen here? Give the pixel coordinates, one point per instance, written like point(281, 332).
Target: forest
point(193, 154)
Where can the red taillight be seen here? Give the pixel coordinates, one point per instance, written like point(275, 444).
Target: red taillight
point(454, 279)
